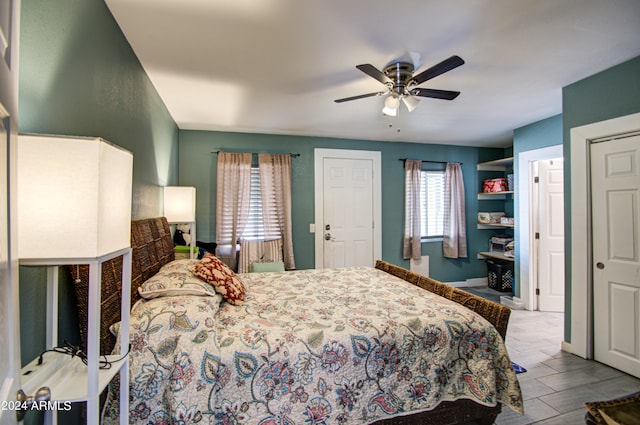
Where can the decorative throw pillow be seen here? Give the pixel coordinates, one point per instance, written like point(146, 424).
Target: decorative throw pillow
point(176, 278)
point(222, 278)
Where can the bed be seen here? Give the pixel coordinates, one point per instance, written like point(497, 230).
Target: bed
point(347, 346)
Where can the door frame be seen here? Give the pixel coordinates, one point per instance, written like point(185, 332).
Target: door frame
point(581, 236)
point(525, 242)
point(319, 155)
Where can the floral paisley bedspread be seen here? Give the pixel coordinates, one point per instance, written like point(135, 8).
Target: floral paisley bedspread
point(344, 346)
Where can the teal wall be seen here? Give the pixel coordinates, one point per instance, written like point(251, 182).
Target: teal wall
point(198, 168)
point(538, 135)
point(612, 93)
point(79, 76)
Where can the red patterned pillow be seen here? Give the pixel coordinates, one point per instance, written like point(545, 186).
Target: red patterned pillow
point(222, 278)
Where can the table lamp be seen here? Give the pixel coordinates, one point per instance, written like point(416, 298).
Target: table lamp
point(180, 208)
point(74, 207)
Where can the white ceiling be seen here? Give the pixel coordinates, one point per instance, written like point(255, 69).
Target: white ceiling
point(276, 66)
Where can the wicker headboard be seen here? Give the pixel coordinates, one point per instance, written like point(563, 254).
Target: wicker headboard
point(152, 247)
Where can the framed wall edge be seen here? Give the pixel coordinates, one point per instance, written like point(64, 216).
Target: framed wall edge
point(523, 201)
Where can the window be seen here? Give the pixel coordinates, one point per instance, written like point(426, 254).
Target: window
point(254, 229)
point(432, 208)
point(253, 202)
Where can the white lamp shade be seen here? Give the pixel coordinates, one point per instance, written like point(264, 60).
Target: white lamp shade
point(180, 204)
point(74, 197)
point(391, 104)
point(392, 112)
point(411, 102)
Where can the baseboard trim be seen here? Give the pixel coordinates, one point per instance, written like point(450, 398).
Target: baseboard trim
point(478, 281)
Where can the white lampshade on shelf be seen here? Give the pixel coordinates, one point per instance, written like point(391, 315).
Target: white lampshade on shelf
point(74, 197)
point(180, 204)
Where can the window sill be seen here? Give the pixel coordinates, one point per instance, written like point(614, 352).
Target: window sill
point(439, 239)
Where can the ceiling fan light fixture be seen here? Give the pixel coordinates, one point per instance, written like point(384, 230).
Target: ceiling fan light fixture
point(391, 105)
point(392, 102)
point(390, 111)
point(401, 82)
point(410, 102)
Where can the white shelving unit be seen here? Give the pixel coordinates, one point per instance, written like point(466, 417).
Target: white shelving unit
point(500, 165)
point(496, 255)
point(496, 165)
point(68, 378)
point(495, 226)
point(494, 196)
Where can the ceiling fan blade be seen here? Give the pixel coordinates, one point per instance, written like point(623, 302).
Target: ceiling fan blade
point(444, 66)
point(362, 96)
point(374, 72)
point(437, 94)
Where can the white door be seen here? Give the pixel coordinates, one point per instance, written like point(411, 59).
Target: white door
point(615, 187)
point(347, 208)
point(348, 212)
point(9, 314)
point(550, 273)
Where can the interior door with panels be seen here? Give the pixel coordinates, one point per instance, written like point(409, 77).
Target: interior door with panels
point(550, 273)
point(615, 187)
point(348, 212)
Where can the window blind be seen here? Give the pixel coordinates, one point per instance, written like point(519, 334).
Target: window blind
point(432, 208)
point(254, 230)
point(257, 228)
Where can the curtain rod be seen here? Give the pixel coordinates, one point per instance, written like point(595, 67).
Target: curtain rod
point(434, 162)
point(293, 155)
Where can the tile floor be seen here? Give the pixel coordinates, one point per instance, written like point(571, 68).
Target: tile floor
point(556, 383)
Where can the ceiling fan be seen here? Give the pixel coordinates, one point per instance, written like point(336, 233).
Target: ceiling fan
point(402, 84)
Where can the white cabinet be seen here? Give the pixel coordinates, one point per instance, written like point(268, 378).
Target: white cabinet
point(496, 168)
point(68, 378)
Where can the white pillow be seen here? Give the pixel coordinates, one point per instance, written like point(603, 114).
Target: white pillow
point(176, 278)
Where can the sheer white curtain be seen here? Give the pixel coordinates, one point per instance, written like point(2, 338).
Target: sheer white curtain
point(454, 244)
point(411, 241)
point(233, 189)
point(275, 186)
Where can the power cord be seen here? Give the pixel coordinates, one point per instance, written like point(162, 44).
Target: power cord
point(75, 351)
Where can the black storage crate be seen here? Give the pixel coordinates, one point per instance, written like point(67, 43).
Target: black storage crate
point(500, 275)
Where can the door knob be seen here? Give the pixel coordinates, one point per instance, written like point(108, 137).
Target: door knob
point(600, 266)
point(327, 236)
point(25, 402)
